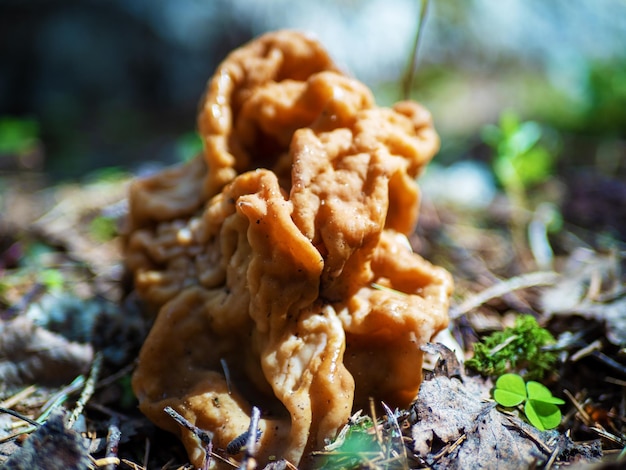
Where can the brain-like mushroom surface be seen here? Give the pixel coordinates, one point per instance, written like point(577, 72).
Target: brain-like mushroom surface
point(277, 260)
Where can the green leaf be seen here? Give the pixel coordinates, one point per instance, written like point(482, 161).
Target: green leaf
point(537, 390)
point(17, 135)
point(525, 137)
point(510, 390)
point(521, 158)
point(491, 135)
point(533, 166)
point(103, 228)
point(505, 170)
point(51, 278)
point(540, 392)
point(509, 123)
point(542, 415)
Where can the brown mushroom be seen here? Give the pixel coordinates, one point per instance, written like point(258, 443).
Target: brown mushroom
point(281, 251)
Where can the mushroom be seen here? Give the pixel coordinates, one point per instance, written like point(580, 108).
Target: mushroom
point(281, 253)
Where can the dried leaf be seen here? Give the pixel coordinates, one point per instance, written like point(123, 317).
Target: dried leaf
point(51, 447)
point(458, 428)
point(278, 465)
point(593, 286)
point(448, 363)
point(30, 354)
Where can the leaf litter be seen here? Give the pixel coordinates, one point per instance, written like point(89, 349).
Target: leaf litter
point(86, 307)
point(459, 426)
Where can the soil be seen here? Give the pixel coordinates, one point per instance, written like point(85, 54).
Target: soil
point(71, 329)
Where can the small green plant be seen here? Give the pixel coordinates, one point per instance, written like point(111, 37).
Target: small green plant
point(355, 443)
point(18, 135)
point(520, 349)
point(521, 159)
point(103, 228)
point(34, 268)
point(52, 278)
point(109, 174)
point(540, 406)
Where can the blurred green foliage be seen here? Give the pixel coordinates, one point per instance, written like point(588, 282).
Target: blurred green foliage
point(35, 266)
point(521, 160)
point(188, 146)
point(352, 447)
point(18, 135)
point(52, 278)
point(103, 228)
point(134, 102)
point(107, 174)
point(605, 92)
point(595, 107)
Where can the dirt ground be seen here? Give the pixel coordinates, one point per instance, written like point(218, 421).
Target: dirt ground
point(71, 330)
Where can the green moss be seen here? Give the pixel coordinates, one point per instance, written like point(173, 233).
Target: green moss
point(521, 349)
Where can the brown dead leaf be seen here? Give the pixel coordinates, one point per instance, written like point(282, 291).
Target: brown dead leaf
point(30, 354)
point(458, 427)
point(51, 447)
point(593, 286)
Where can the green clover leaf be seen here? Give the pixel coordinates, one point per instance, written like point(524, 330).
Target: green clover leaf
point(510, 390)
point(540, 406)
point(542, 415)
point(540, 393)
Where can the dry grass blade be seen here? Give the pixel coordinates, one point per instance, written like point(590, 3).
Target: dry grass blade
point(226, 370)
point(379, 436)
point(60, 397)
point(52, 404)
point(540, 278)
point(450, 447)
point(107, 462)
point(396, 438)
point(18, 397)
point(409, 75)
point(582, 414)
point(531, 435)
point(133, 465)
point(19, 416)
point(90, 386)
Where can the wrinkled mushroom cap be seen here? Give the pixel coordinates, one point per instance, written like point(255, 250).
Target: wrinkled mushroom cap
point(278, 261)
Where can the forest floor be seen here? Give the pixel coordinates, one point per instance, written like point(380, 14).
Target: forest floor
point(71, 329)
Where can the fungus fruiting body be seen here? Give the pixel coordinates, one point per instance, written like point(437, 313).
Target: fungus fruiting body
point(281, 251)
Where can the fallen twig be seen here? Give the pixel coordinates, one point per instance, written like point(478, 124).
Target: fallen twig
point(56, 401)
point(113, 441)
point(18, 397)
point(19, 416)
point(396, 434)
point(249, 462)
point(90, 386)
point(206, 437)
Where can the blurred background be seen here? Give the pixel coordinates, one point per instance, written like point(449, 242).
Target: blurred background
point(98, 83)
